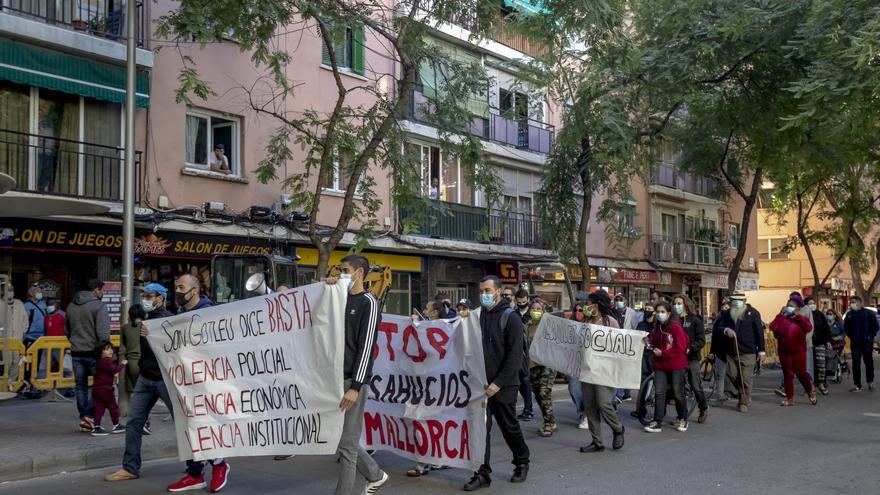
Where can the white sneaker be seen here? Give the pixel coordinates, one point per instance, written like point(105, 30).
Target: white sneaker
point(373, 486)
point(584, 424)
point(682, 425)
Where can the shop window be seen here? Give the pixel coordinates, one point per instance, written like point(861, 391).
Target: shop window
point(400, 296)
point(638, 296)
point(348, 47)
point(212, 142)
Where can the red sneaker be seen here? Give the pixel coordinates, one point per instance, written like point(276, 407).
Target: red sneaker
point(219, 476)
point(187, 483)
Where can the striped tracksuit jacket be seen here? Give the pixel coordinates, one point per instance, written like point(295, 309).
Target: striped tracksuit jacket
point(362, 317)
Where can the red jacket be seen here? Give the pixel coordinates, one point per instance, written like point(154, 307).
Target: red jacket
point(55, 324)
point(673, 341)
point(791, 333)
point(105, 371)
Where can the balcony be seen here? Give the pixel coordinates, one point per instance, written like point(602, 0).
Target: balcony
point(667, 175)
point(97, 18)
point(687, 251)
point(524, 134)
point(57, 166)
point(457, 222)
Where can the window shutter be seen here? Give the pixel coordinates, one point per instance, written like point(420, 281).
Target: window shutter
point(358, 48)
point(325, 54)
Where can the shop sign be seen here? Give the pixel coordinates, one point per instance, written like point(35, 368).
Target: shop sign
point(841, 284)
point(112, 298)
point(508, 272)
point(632, 276)
point(714, 281)
point(747, 283)
point(102, 239)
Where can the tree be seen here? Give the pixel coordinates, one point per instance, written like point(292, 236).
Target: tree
point(586, 68)
point(364, 138)
point(718, 69)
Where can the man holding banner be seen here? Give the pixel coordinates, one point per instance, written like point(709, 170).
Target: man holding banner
point(361, 320)
point(502, 333)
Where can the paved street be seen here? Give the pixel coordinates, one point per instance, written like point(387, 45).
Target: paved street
point(830, 448)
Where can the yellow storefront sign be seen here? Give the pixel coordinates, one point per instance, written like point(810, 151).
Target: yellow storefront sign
point(399, 262)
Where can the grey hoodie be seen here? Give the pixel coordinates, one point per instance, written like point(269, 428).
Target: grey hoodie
point(87, 322)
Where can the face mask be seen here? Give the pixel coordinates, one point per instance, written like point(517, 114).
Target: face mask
point(662, 317)
point(737, 304)
point(812, 307)
point(789, 310)
point(487, 300)
point(678, 308)
point(345, 276)
point(522, 306)
point(619, 304)
point(38, 296)
point(50, 309)
point(853, 307)
point(181, 298)
point(830, 318)
point(648, 314)
point(149, 305)
point(588, 312)
point(536, 315)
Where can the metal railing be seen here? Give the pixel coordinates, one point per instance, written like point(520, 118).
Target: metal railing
point(668, 175)
point(469, 223)
point(687, 251)
point(52, 165)
point(522, 133)
point(97, 18)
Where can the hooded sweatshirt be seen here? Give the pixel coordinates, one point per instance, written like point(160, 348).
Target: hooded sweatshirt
point(673, 342)
point(149, 365)
point(502, 347)
point(87, 324)
point(791, 332)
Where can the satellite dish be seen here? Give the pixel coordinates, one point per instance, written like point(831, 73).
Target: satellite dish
point(256, 283)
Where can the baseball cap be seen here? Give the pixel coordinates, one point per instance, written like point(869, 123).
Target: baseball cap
point(464, 302)
point(156, 289)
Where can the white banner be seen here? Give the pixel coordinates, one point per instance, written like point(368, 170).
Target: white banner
point(595, 354)
point(427, 396)
point(261, 376)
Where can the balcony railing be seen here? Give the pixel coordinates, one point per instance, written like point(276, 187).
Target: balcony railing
point(51, 165)
point(665, 174)
point(104, 19)
point(525, 134)
point(469, 223)
point(687, 251)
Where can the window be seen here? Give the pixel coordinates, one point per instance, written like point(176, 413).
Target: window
point(668, 226)
point(626, 221)
point(212, 142)
point(348, 46)
point(340, 177)
point(443, 176)
point(733, 236)
point(772, 248)
point(400, 299)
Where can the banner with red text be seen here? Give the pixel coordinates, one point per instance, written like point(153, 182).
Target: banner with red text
point(427, 396)
point(262, 376)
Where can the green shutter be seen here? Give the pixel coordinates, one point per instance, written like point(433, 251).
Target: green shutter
point(358, 47)
point(325, 54)
point(35, 66)
point(429, 79)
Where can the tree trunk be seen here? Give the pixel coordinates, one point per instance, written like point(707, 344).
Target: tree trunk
point(750, 200)
point(586, 211)
point(323, 261)
point(802, 237)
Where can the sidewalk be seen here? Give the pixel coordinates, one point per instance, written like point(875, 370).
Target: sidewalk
point(42, 438)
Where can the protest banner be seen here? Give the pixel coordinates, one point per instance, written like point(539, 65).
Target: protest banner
point(426, 398)
point(262, 376)
point(595, 354)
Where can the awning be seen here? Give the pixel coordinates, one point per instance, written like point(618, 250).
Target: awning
point(44, 68)
point(527, 6)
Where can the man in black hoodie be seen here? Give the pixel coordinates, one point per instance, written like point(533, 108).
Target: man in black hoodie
point(502, 333)
point(148, 389)
point(740, 334)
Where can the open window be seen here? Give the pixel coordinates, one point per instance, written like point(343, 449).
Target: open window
point(212, 142)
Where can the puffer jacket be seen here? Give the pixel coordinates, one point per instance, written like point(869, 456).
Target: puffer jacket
point(790, 333)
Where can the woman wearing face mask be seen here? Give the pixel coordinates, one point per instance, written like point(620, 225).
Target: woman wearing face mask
point(645, 325)
point(574, 384)
point(683, 308)
point(669, 343)
point(541, 377)
point(598, 398)
point(790, 329)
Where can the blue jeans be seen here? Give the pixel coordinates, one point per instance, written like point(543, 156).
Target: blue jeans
point(577, 394)
point(525, 389)
point(83, 368)
point(144, 396)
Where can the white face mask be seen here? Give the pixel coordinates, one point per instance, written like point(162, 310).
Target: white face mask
point(149, 305)
point(50, 309)
point(345, 276)
point(812, 307)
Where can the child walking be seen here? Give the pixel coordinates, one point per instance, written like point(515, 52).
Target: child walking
point(102, 390)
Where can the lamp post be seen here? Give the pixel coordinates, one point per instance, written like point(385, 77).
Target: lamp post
point(129, 173)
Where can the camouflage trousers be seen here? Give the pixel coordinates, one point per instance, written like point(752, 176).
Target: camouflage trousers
point(542, 384)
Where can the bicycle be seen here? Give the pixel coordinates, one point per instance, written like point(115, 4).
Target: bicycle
point(645, 401)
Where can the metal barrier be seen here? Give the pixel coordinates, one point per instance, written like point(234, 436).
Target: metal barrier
point(16, 351)
point(48, 350)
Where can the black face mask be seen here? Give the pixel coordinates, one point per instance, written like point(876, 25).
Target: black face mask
point(522, 306)
point(648, 314)
point(181, 299)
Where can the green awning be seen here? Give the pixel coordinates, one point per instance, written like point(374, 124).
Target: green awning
point(527, 6)
point(35, 66)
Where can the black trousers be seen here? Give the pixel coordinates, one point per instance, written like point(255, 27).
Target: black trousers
point(663, 381)
point(862, 351)
point(697, 384)
point(502, 408)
